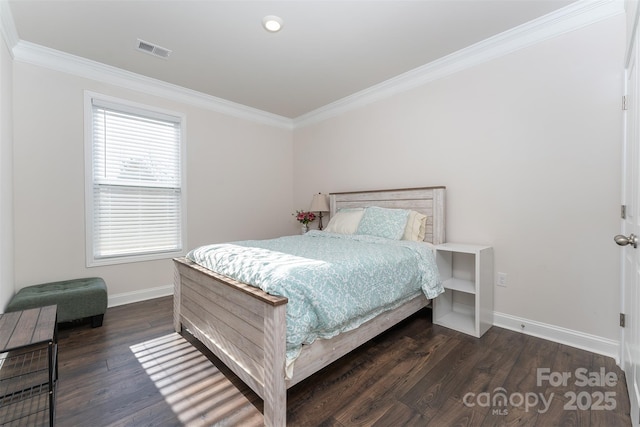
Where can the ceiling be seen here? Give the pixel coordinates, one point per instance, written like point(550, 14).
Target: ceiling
point(326, 51)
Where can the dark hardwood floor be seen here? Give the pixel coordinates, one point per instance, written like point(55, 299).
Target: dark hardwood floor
point(136, 371)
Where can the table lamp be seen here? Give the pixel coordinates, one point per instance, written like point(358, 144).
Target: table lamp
point(319, 204)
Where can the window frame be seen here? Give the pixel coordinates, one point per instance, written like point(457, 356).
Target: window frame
point(144, 110)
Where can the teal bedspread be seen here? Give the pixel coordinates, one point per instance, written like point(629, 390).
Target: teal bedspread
point(334, 282)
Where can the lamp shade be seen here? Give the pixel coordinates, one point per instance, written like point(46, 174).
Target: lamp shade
point(319, 203)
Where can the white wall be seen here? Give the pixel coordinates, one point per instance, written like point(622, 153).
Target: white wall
point(238, 183)
point(6, 180)
point(528, 146)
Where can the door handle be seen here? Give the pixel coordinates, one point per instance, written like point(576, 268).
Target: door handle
point(624, 240)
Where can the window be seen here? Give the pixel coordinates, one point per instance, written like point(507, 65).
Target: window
point(134, 191)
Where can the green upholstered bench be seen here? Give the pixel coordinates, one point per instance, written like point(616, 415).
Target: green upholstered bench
point(76, 299)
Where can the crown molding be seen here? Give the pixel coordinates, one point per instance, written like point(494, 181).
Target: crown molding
point(572, 17)
point(34, 54)
point(632, 33)
point(7, 27)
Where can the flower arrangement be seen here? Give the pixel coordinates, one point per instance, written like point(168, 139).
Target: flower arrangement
point(305, 217)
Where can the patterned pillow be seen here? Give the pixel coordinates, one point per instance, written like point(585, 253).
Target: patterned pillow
point(383, 222)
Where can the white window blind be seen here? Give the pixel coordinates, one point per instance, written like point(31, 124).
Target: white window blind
point(136, 181)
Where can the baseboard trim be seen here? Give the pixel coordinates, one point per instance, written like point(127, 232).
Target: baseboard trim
point(581, 340)
point(137, 296)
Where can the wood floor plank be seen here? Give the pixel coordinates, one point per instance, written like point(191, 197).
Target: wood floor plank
point(488, 375)
point(454, 414)
point(376, 395)
point(429, 395)
point(136, 371)
point(522, 382)
point(401, 415)
point(427, 355)
point(560, 411)
point(566, 362)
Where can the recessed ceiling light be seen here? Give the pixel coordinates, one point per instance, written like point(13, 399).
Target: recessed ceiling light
point(272, 23)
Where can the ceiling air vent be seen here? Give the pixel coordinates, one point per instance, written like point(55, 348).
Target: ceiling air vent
point(153, 49)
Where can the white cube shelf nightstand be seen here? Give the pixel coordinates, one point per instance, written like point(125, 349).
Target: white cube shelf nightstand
point(467, 275)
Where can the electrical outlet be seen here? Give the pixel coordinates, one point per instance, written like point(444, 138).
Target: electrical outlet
point(502, 280)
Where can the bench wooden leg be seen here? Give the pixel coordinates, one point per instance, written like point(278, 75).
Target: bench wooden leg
point(96, 321)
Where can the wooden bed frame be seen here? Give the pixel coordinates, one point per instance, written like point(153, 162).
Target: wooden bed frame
point(246, 327)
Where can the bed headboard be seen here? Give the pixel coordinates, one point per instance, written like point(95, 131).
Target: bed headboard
point(426, 200)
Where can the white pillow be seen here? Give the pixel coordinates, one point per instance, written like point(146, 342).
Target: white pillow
point(416, 226)
point(345, 221)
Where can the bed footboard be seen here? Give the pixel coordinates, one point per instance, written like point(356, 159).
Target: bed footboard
point(242, 325)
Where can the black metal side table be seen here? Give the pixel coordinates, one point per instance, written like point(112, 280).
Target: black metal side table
point(28, 366)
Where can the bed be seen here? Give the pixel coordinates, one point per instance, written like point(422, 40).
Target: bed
point(246, 329)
